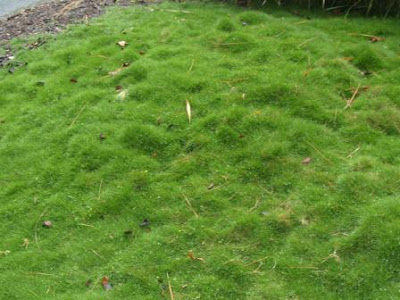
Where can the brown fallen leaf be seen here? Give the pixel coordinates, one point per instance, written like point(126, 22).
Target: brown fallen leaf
point(306, 72)
point(374, 39)
point(73, 80)
point(106, 283)
point(192, 257)
point(348, 58)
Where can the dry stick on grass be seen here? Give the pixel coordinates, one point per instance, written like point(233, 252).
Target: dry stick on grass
point(190, 205)
point(301, 22)
point(265, 190)
point(255, 206)
point(40, 273)
point(259, 266)
point(232, 44)
point(319, 152)
point(305, 267)
point(256, 261)
point(77, 116)
point(171, 292)
point(366, 35)
point(98, 255)
point(353, 97)
point(86, 225)
point(353, 152)
point(333, 255)
point(306, 41)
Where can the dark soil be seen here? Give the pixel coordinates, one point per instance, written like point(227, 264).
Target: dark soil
point(50, 17)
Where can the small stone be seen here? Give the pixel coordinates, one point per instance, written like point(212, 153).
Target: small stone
point(306, 161)
point(145, 223)
point(47, 224)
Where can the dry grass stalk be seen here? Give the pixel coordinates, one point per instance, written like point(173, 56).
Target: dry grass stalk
point(77, 116)
point(353, 152)
point(190, 205)
point(255, 205)
point(333, 255)
point(353, 97)
point(320, 152)
point(171, 292)
point(256, 261)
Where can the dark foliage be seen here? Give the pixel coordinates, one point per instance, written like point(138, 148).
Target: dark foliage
point(383, 8)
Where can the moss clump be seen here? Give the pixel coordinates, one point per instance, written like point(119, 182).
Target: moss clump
point(226, 24)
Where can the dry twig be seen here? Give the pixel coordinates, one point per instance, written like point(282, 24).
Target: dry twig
point(353, 97)
point(77, 116)
point(190, 205)
point(171, 292)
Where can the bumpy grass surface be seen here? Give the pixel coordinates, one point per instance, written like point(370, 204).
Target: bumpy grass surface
point(267, 90)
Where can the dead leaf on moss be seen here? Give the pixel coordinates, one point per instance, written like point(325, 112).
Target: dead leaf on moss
point(122, 95)
point(119, 70)
point(306, 72)
point(189, 111)
point(115, 72)
point(374, 39)
point(348, 58)
point(193, 257)
point(106, 283)
point(5, 252)
point(25, 243)
point(122, 44)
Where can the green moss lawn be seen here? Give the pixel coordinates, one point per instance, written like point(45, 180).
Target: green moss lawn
point(284, 184)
